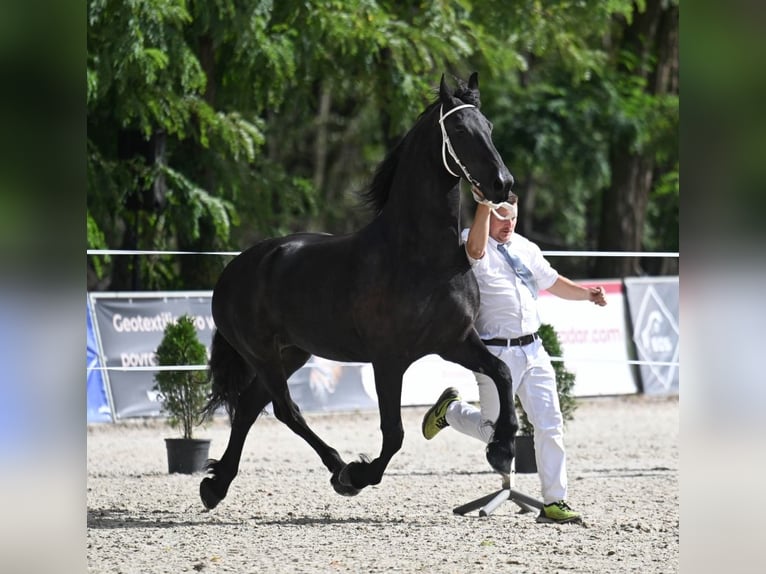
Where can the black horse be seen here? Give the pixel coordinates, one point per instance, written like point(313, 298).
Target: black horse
point(395, 291)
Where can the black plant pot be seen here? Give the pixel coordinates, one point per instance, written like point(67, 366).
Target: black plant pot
point(187, 455)
point(525, 454)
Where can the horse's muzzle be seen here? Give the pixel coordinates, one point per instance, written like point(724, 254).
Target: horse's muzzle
point(503, 184)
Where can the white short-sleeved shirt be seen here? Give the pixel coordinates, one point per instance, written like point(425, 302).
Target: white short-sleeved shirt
point(508, 309)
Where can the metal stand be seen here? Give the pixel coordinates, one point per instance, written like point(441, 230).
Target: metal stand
point(489, 503)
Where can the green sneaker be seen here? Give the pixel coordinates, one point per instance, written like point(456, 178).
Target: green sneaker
point(435, 418)
point(559, 513)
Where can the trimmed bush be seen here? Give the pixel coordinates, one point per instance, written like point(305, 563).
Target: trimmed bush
point(184, 394)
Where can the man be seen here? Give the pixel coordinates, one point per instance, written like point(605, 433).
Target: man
point(510, 270)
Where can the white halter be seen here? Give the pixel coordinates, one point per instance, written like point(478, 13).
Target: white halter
point(447, 147)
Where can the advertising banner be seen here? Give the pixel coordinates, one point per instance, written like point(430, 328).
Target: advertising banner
point(130, 327)
point(595, 343)
point(653, 303)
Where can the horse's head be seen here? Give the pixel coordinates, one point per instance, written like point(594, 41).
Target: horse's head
point(467, 147)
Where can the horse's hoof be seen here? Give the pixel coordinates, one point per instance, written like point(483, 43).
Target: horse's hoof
point(499, 457)
point(207, 493)
point(342, 489)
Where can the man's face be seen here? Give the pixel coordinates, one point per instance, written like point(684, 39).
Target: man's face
point(501, 229)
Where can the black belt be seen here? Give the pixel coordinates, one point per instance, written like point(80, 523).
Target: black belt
point(519, 342)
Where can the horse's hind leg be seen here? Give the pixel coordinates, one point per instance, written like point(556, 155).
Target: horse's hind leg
point(287, 411)
point(251, 403)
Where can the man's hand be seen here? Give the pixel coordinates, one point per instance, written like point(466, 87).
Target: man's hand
point(597, 295)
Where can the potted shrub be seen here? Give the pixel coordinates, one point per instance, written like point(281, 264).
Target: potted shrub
point(184, 394)
point(525, 446)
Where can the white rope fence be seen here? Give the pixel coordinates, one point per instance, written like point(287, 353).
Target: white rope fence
point(669, 254)
point(554, 359)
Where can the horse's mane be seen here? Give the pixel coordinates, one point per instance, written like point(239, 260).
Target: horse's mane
point(376, 194)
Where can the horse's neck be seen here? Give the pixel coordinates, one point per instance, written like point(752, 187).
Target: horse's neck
point(421, 216)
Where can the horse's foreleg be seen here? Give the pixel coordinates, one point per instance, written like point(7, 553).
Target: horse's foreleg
point(251, 402)
point(473, 355)
point(388, 386)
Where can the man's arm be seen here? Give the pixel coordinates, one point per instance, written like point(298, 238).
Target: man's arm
point(476, 244)
point(568, 289)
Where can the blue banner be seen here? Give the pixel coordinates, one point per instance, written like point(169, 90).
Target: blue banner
point(98, 404)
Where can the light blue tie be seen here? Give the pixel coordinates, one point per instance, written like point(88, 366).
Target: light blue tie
point(520, 269)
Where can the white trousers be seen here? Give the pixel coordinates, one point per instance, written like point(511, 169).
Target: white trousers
point(534, 382)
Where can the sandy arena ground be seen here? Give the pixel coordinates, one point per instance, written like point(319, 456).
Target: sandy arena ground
point(282, 515)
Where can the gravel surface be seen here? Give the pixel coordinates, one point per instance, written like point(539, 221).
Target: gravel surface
point(282, 515)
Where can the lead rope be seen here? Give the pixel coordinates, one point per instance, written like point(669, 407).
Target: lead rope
point(493, 207)
point(459, 213)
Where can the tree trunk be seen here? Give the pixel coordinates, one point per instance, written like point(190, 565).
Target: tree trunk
point(625, 205)
point(201, 271)
point(132, 145)
point(321, 140)
point(653, 36)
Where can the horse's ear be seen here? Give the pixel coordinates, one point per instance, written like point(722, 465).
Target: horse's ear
point(473, 81)
point(444, 91)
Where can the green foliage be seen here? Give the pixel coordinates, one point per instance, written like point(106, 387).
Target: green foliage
point(663, 214)
point(147, 75)
point(273, 115)
point(565, 381)
point(184, 394)
point(146, 72)
point(555, 133)
point(96, 240)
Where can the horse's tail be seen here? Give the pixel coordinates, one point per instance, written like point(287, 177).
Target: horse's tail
point(229, 374)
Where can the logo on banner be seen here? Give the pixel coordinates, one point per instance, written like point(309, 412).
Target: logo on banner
point(656, 337)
